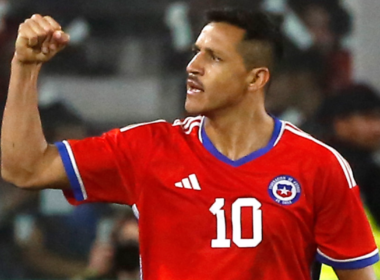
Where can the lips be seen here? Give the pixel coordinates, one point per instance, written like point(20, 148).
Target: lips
point(194, 86)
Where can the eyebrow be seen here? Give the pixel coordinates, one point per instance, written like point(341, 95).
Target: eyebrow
point(208, 50)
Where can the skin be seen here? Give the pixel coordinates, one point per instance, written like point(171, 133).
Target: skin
point(39, 39)
point(229, 95)
point(232, 97)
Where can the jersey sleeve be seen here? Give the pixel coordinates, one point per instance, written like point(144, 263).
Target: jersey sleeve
point(343, 235)
point(107, 168)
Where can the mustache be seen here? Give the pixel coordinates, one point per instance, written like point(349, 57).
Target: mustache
point(192, 79)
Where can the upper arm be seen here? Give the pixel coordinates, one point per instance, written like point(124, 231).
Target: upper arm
point(342, 232)
point(52, 173)
point(48, 172)
point(366, 273)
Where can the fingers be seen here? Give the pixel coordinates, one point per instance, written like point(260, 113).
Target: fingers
point(61, 37)
point(48, 29)
point(53, 23)
point(36, 31)
point(29, 31)
point(39, 39)
point(43, 33)
point(57, 36)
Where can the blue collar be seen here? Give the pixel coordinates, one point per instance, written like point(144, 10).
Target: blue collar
point(236, 163)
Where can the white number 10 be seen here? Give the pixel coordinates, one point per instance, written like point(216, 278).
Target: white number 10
point(221, 241)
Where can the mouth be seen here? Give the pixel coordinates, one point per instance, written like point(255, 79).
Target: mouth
point(194, 86)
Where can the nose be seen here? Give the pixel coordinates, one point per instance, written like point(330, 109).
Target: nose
point(195, 66)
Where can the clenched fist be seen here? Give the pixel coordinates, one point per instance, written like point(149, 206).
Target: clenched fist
point(39, 39)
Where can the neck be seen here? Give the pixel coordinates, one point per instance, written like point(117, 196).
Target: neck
point(238, 135)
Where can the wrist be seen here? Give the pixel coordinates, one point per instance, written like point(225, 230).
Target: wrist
point(25, 69)
point(27, 65)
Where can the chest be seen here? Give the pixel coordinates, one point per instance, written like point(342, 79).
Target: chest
point(193, 194)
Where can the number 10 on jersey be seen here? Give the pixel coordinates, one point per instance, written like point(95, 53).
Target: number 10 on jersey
point(221, 240)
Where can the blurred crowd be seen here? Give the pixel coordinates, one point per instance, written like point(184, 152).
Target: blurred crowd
point(42, 237)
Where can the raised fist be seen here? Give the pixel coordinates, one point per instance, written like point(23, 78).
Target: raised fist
point(39, 39)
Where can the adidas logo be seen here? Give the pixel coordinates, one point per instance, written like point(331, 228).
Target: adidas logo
point(189, 183)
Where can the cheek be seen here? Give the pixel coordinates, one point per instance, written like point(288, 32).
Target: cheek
point(227, 80)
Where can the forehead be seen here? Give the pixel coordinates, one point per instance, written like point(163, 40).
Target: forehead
point(220, 35)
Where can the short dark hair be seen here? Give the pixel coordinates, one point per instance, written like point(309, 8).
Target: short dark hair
point(259, 27)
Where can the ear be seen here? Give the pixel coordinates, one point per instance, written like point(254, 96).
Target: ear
point(258, 78)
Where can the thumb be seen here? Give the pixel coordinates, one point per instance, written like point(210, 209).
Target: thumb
point(61, 37)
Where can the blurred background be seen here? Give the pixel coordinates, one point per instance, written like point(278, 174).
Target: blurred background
point(126, 63)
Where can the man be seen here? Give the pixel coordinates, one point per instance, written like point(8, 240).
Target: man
point(230, 194)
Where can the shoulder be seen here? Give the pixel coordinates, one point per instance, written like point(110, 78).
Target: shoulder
point(305, 143)
point(187, 126)
point(145, 126)
point(323, 156)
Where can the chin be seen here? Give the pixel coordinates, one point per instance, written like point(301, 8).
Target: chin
point(191, 108)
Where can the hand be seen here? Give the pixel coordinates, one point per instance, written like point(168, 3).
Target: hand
point(39, 39)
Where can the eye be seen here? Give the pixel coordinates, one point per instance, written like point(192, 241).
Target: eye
point(216, 58)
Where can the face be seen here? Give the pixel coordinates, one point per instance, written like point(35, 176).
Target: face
point(217, 76)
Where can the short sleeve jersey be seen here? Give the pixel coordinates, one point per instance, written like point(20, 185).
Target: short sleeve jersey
point(265, 216)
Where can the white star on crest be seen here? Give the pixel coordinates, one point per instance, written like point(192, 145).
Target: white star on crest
point(284, 191)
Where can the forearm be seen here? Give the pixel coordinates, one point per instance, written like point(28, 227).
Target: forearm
point(22, 142)
point(27, 160)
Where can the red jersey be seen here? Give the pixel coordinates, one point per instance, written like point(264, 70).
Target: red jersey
point(203, 216)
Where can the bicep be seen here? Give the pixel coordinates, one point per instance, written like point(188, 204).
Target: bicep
point(50, 172)
point(366, 273)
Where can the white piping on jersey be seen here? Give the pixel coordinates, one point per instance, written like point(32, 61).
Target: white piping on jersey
point(182, 122)
point(349, 170)
point(193, 124)
point(186, 126)
point(200, 130)
point(343, 163)
point(75, 167)
point(137, 215)
point(128, 127)
point(373, 253)
point(136, 211)
point(186, 122)
point(280, 134)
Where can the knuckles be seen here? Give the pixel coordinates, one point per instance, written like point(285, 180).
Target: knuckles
point(36, 16)
point(35, 40)
point(39, 25)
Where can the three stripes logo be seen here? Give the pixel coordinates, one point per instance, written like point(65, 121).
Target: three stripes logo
point(189, 183)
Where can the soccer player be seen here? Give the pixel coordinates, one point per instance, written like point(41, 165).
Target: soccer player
point(232, 193)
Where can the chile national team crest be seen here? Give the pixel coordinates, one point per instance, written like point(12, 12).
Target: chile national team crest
point(284, 190)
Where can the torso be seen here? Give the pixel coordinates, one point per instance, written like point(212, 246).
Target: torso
point(218, 219)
